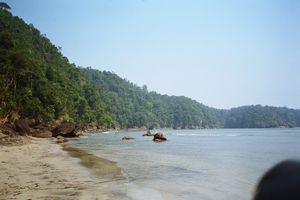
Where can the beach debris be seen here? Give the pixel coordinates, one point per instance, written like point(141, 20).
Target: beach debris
point(159, 137)
point(127, 138)
point(148, 133)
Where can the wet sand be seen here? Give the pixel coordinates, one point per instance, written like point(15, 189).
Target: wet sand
point(43, 170)
point(99, 166)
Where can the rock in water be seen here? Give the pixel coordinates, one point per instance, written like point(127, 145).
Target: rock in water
point(65, 129)
point(127, 138)
point(148, 134)
point(159, 137)
point(61, 139)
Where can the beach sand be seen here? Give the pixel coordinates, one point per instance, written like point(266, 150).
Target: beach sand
point(41, 169)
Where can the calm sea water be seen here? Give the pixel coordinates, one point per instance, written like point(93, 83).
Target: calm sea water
point(218, 164)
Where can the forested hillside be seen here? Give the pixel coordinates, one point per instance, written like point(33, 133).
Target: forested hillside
point(135, 106)
point(38, 82)
point(261, 117)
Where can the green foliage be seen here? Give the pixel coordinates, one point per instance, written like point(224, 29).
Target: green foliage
point(37, 81)
point(4, 6)
point(261, 117)
point(134, 106)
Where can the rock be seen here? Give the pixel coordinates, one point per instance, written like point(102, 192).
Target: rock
point(8, 129)
point(42, 126)
point(127, 138)
point(42, 134)
point(61, 139)
point(79, 131)
point(49, 126)
point(148, 134)
point(31, 122)
point(159, 137)
point(65, 129)
point(22, 127)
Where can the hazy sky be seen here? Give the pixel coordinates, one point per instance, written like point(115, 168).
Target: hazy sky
point(222, 53)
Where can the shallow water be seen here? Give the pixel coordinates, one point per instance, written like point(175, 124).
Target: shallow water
point(218, 164)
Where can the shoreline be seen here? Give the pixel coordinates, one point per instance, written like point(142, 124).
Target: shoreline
point(100, 167)
point(42, 169)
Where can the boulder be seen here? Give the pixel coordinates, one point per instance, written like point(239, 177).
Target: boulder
point(31, 122)
point(65, 129)
point(78, 131)
point(159, 137)
point(127, 138)
point(22, 127)
point(42, 134)
point(8, 129)
point(61, 139)
point(148, 134)
point(43, 126)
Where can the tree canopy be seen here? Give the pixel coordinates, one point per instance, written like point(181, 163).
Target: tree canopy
point(4, 5)
point(37, 81)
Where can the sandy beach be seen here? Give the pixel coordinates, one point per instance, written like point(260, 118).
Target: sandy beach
point(41, 169)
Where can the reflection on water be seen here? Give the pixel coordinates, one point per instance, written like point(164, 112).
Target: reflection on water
point(214, 164)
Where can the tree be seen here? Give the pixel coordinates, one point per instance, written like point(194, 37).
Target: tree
point(4, 6)
point(6, 40)
point(37, 81)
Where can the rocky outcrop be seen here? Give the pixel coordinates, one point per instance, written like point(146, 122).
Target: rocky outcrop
point(79, 131)
point(8, 129)
point(159, 137)
point(42, 134)
point(22, 127)
point(44, 126)
point(127, 138)
point(65, 129)
point(40, 129)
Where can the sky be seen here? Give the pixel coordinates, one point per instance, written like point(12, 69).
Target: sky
point(222, 53)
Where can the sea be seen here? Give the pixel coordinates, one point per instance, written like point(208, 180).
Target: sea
point(208, 164)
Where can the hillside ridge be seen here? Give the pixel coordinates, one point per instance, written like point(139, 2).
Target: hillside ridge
point(39, 83)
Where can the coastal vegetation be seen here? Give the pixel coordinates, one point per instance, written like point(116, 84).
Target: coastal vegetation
point(261, 117)
point(38, 82)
